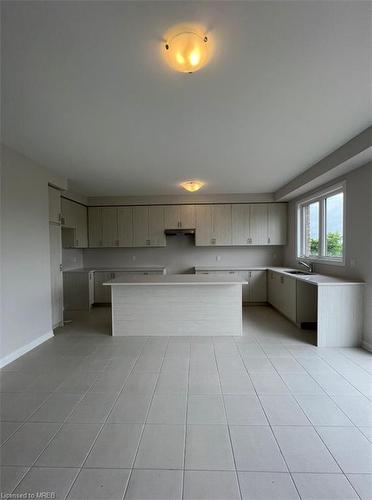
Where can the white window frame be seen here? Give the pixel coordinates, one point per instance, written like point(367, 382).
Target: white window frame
point(321, 197)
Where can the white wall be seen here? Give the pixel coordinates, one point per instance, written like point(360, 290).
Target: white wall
point(25, 277)
point(358, 237)
point(181, 254)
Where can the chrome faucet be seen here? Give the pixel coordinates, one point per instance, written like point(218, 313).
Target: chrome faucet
point(309, 266)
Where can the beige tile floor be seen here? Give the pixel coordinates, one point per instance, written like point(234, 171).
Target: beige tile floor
point(263, 416)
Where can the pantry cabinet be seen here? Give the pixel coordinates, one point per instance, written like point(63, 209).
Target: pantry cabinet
point(74, 221)
point(213, 225)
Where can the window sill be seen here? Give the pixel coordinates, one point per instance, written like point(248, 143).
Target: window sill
point(330, 262)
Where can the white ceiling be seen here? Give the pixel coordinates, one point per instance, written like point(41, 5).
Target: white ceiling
point(87, 94)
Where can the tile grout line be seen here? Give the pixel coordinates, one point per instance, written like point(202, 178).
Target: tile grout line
point(105, 421)
point(272, 432)
point(227, 423)
point(145, 420)
point(186, 424)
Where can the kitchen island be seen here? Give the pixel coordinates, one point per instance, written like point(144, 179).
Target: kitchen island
point(176, 305)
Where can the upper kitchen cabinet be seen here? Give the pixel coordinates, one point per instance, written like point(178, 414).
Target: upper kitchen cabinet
point(125, 226)
point(179, 217)
point(213, 225)
point(110, 227)
point(148, 226)
point(95, 227)
point(109, 218)
point(74, 218)
point(277, 224)
point(241, 224)
point(54, 205)
point(259, 224)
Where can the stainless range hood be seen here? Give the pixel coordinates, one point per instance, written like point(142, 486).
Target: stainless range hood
point(175, 232)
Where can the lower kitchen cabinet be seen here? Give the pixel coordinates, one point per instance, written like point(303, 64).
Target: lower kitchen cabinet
point(282, 294)
point(102, 294)
point(255, 290)
point(78, 290)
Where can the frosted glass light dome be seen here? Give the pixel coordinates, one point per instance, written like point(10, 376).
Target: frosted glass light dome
point(187, 50)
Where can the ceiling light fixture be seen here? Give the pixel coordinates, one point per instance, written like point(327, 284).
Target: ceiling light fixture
point(186, 48)
point(192, 185)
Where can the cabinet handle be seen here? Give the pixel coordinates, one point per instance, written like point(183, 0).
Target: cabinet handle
point(250, 274)
point(147, 242)
point(62, 221)
point(249, 240)
point(231, 272)
point(281, 280)
point(77, 243)
point(268, 240)
point(180, 224)
point(213, 241)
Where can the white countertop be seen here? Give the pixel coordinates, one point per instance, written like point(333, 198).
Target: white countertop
point(118, 269)
point(176, 279)
point(229, 268)
point(313, 279)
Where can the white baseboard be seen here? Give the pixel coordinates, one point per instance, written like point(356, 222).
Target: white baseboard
point(367, 345)
point(26, 348)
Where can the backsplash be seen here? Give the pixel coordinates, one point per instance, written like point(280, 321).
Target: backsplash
point(181, 255)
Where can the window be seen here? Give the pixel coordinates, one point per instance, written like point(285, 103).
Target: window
point(320, 226)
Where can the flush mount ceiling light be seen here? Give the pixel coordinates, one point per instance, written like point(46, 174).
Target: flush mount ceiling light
point(192, 185)
point(186, 48)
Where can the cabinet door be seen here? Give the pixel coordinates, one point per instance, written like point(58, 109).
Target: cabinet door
point(95, 227)
point(81, 233)
point(245, 288)
point(156, 227)
point(102, 294)
point(187, 216)
point(258, 224)
point(141, 227)
point(272, 288)
point(257, 286)
point(109, 226)
point(222, 224)
point(172, 217)
point(240, 224)
point(288, 297)
point(277, 224)
point(68, 215)
point(125, 226)
point(204, 226)
point(56, 280)
point(54, 205)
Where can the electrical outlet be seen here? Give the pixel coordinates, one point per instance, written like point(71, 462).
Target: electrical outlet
point(218, 258)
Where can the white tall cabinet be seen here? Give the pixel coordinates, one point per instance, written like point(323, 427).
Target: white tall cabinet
point(55, 250)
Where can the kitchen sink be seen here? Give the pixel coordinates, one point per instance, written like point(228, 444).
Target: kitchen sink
point(298, 272)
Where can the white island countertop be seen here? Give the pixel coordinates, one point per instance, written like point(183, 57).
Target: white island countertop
point(138, 269)
point(176, 279)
